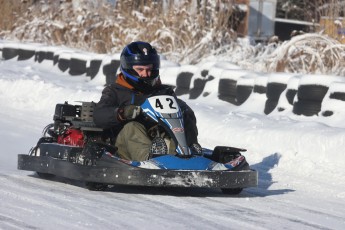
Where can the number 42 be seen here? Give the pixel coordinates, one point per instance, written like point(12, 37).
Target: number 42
point(171, 103)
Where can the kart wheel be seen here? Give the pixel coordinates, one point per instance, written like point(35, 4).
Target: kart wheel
point(96, 186)
point(45, 175)
point(232, 191)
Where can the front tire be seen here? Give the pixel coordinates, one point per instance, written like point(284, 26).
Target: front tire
point(92, 186)
point(232, 191)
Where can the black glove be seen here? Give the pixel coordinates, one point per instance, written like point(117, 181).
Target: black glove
point(128, 112)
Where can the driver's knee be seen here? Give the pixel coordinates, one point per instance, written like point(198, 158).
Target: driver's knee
point(133, 142)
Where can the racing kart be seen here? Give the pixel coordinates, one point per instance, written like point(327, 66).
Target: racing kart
point(74, 147)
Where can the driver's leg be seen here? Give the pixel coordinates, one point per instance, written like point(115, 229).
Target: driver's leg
point(133, 142)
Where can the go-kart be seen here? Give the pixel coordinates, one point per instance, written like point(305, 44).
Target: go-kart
point(74, 147)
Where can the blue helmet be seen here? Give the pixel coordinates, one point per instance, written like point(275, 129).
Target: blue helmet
point(140, 53)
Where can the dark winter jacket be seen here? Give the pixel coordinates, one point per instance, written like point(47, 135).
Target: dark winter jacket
point(115, 95)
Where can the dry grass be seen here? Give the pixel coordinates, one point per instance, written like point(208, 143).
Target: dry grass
point(185, 32)
point(309, 53)
point(176, 29)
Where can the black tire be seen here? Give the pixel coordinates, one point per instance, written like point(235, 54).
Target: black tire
point(50, 55)
point(94, 68)
point(109, 71)
point(9, 53)
point(312, 92)
point(232, 191)
point(243, 92)
point(327, 113)
point(290, 95)
point(199, 86)
point(63, 64)
point(274, 90)
point(56, 59)
point(24, 54)
point(338, 96)
point(260, 89)
point(227, 87)
point(45, 175)
point(281, 109)
point(230, 99)
point(77, 67)
point(92, 186)
point(204, 73)
point(183, 81)
point(40, 56)
point(306, 108)
point(270, 105)
point(196, 91)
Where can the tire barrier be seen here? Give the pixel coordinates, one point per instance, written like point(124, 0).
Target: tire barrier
point(40, 56)
point(312, 92)
point(306, 107)
point(273, 93)
point(183, 81)
point(311, 95)
point(227, 90)
point(55, 59)
point(49, 56)
point(93, 69)
point(334, 101)
point(77, 66)
point(9, 53)
point(64, 62)
point(309, 99)
point(308, 95)
point(276, 85)
point(290, 95)
point(227, 86)
point(199, 84)
point(338, 96)
point(260, 85)
point(244, 88)
point(287, 97)
point(25, 54)
point(109, 71)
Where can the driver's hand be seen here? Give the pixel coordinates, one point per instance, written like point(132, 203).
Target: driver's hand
point(128, 112)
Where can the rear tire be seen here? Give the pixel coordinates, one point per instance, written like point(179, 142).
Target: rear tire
point(232, 191)
point(92, 186)
point(45, 175)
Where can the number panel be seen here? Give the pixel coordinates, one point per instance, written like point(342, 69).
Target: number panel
point(164, 104)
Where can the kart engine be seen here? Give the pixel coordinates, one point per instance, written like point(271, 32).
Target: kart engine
point(72, 137)
point(73, 122)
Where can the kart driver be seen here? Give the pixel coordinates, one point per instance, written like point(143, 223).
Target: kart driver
point(119, 107)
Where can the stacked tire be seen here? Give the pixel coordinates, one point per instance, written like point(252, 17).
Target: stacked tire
point(183, 81)
point(311, 91)
point(260, 84)
point(244, 88)
point(227, 85)
point(78, 64)
point(199, 84)
point(334, 101)
point(25, 52)
point(276, 85)
point(110, 70)
point(287, 97)
point(93, 68)
point(9, 51)
point(63, 61)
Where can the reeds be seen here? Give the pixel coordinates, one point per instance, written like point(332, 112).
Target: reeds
point(184, 31)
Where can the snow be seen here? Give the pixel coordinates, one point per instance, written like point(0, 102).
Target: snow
point(300, 160)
